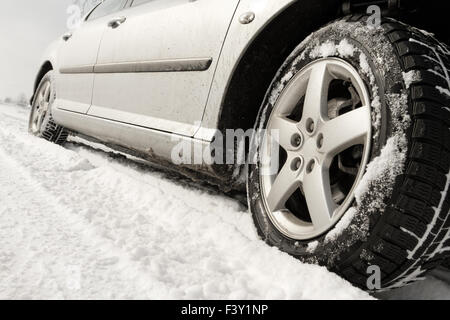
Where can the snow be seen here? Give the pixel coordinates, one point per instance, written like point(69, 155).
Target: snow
point(341, 225)
point(328, 49)
point(278, 89)
point(443, 91)
point(411, 77)
point(83, 223)
point(384, 168)
point(312, 246)
point(345, 49)
point(426, 32)
point(376, 102)
point(365, 67)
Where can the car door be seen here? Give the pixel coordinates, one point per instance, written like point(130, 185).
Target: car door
point(156, 63)
point(77, 57)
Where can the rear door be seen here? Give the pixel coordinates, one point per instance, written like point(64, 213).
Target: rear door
point(77, 57)
point(156, 63)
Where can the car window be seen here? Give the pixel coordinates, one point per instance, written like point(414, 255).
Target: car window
point(139, 2)
point(105, 8)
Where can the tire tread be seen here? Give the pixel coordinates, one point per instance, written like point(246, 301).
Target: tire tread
point(407, 222)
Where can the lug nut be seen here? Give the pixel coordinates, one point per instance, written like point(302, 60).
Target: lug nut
point(310, 126)
point(296, 140)
point(310, 166)
point(296, 164)
point(320, 141)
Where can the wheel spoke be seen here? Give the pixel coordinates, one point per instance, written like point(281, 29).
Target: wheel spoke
point(39, 122)
point(46, 96)
point(345, 131)
point(316, 186)
point(40, 115)
point(317, 92)
point(283, 130)
point(43, 107)
point(285, 184)
point(41, 94)
point(34, 120)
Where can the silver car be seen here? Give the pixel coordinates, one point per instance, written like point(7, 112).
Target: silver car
point(332, 115)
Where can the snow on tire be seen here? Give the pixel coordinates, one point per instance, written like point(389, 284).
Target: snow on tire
point(398, 219)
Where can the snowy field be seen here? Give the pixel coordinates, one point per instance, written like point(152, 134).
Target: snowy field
point(82, 222)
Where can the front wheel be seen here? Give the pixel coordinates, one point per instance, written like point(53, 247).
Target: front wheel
point(353, 164)
point(41, 123)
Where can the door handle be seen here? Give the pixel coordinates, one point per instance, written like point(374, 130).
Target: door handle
point(116, 22)
point(66, 36)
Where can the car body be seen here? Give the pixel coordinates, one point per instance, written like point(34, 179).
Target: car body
point(152, 73)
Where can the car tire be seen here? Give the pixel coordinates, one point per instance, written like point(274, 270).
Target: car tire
point(41, 123)
point(396, 224)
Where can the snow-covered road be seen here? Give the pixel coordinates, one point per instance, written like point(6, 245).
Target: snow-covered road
point(77, 222)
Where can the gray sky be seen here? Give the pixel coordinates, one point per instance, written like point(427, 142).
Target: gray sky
point(27, 27)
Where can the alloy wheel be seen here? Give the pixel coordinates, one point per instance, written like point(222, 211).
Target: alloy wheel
point(40, 109)
point(322, 127)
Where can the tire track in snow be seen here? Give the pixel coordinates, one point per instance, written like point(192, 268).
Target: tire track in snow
point(56, 239)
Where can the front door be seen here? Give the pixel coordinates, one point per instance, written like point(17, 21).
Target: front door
point(78, 56)
point(157, 60)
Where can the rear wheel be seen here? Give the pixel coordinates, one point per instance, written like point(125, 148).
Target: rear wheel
point(41, 123)
point(353, 167)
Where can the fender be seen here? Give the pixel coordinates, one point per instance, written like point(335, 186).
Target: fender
point(239, 37)
point(49, 62)
point(310, 15)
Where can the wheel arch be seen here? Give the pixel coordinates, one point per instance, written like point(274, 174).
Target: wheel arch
point(260, 62)
point(43, 70)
